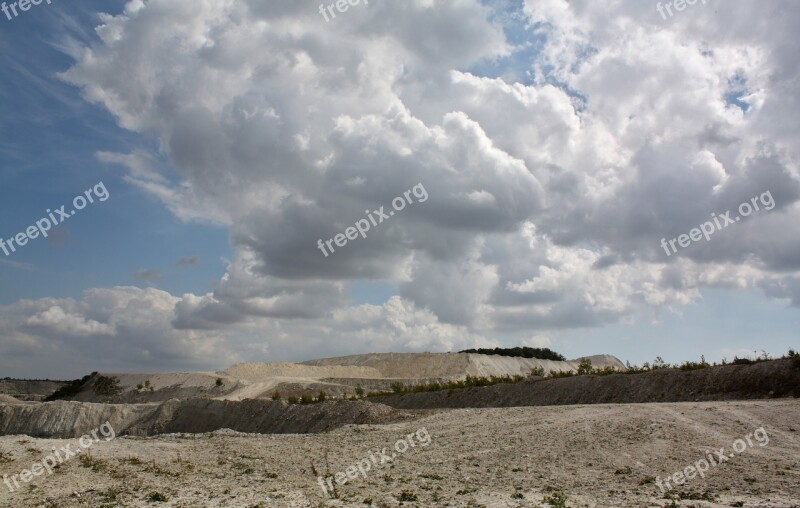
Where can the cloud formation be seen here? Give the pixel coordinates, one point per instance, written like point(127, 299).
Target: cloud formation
point(551, 183)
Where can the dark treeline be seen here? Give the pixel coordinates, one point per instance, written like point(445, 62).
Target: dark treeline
point(523, 352)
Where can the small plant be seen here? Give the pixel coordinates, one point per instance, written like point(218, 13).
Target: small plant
point(219, 382)
point(536, 372)
point(139, 386)
point(397, 387)
point(306, 399)
point(624, 471)
point(517, 495)
point(407, 495)
point(322, 396)
point(96, 465)
point(276, 395)
point(557, 500)
point(585, 367)
point(359, 391)
point(431, 476)
point(157, 497)
point(556, 374)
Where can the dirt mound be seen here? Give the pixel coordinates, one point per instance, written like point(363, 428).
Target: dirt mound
point(779, 378)
point(24, 389)
point(456, 365)
point(69, 419)
point(338, 377)
point(63, 419)
point(259, 416)
point(8, 399)
point(265, 371)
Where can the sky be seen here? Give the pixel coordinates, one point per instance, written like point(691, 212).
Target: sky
point(249, 180)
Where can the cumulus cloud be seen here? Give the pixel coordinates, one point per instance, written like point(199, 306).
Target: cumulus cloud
point(549, 194)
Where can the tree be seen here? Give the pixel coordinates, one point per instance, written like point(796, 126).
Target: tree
point(585, 367)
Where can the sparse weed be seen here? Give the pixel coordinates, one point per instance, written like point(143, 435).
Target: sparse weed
point(557, 500)
point(157, 497)
point(407, 495)
point(95, 464)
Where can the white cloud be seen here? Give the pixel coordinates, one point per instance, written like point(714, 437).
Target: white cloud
point(548, 199)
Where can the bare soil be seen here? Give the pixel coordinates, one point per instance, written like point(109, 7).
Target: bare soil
point(596, 456)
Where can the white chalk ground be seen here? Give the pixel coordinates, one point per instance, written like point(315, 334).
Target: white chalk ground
point(598, 456)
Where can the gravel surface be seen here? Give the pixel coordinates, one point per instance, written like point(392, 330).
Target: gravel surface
point(599, 455)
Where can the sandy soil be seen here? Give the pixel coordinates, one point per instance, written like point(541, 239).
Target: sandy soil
point(598, 456)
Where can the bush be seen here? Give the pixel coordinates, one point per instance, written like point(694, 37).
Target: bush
point(557, 500)
point(71, 389)
point(407, 495)
point(659, 363)
point(276, 395)
point(157, 497)
point(322, 396)
point(306, 399)
point(585, 367)
point(397, 387)
point(107, 386)
point(220, 382)
point(536, 372)
point(702, 364)
point(359, 391)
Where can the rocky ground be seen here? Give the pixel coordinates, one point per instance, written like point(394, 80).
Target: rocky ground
point(576, 456)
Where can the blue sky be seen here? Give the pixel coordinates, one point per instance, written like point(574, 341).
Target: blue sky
point(497, 257)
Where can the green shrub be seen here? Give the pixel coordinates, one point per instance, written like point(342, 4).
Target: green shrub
point(359, 391)
point(219, 382)
point(322, 396)
point(107, 386)
point(407, 495)
point(702, 364)
point(584, 367)
point(306, 399)
point(557, 500)
point(536, 372)
point(276, 395)
point(71, 389)
point(157, 497)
